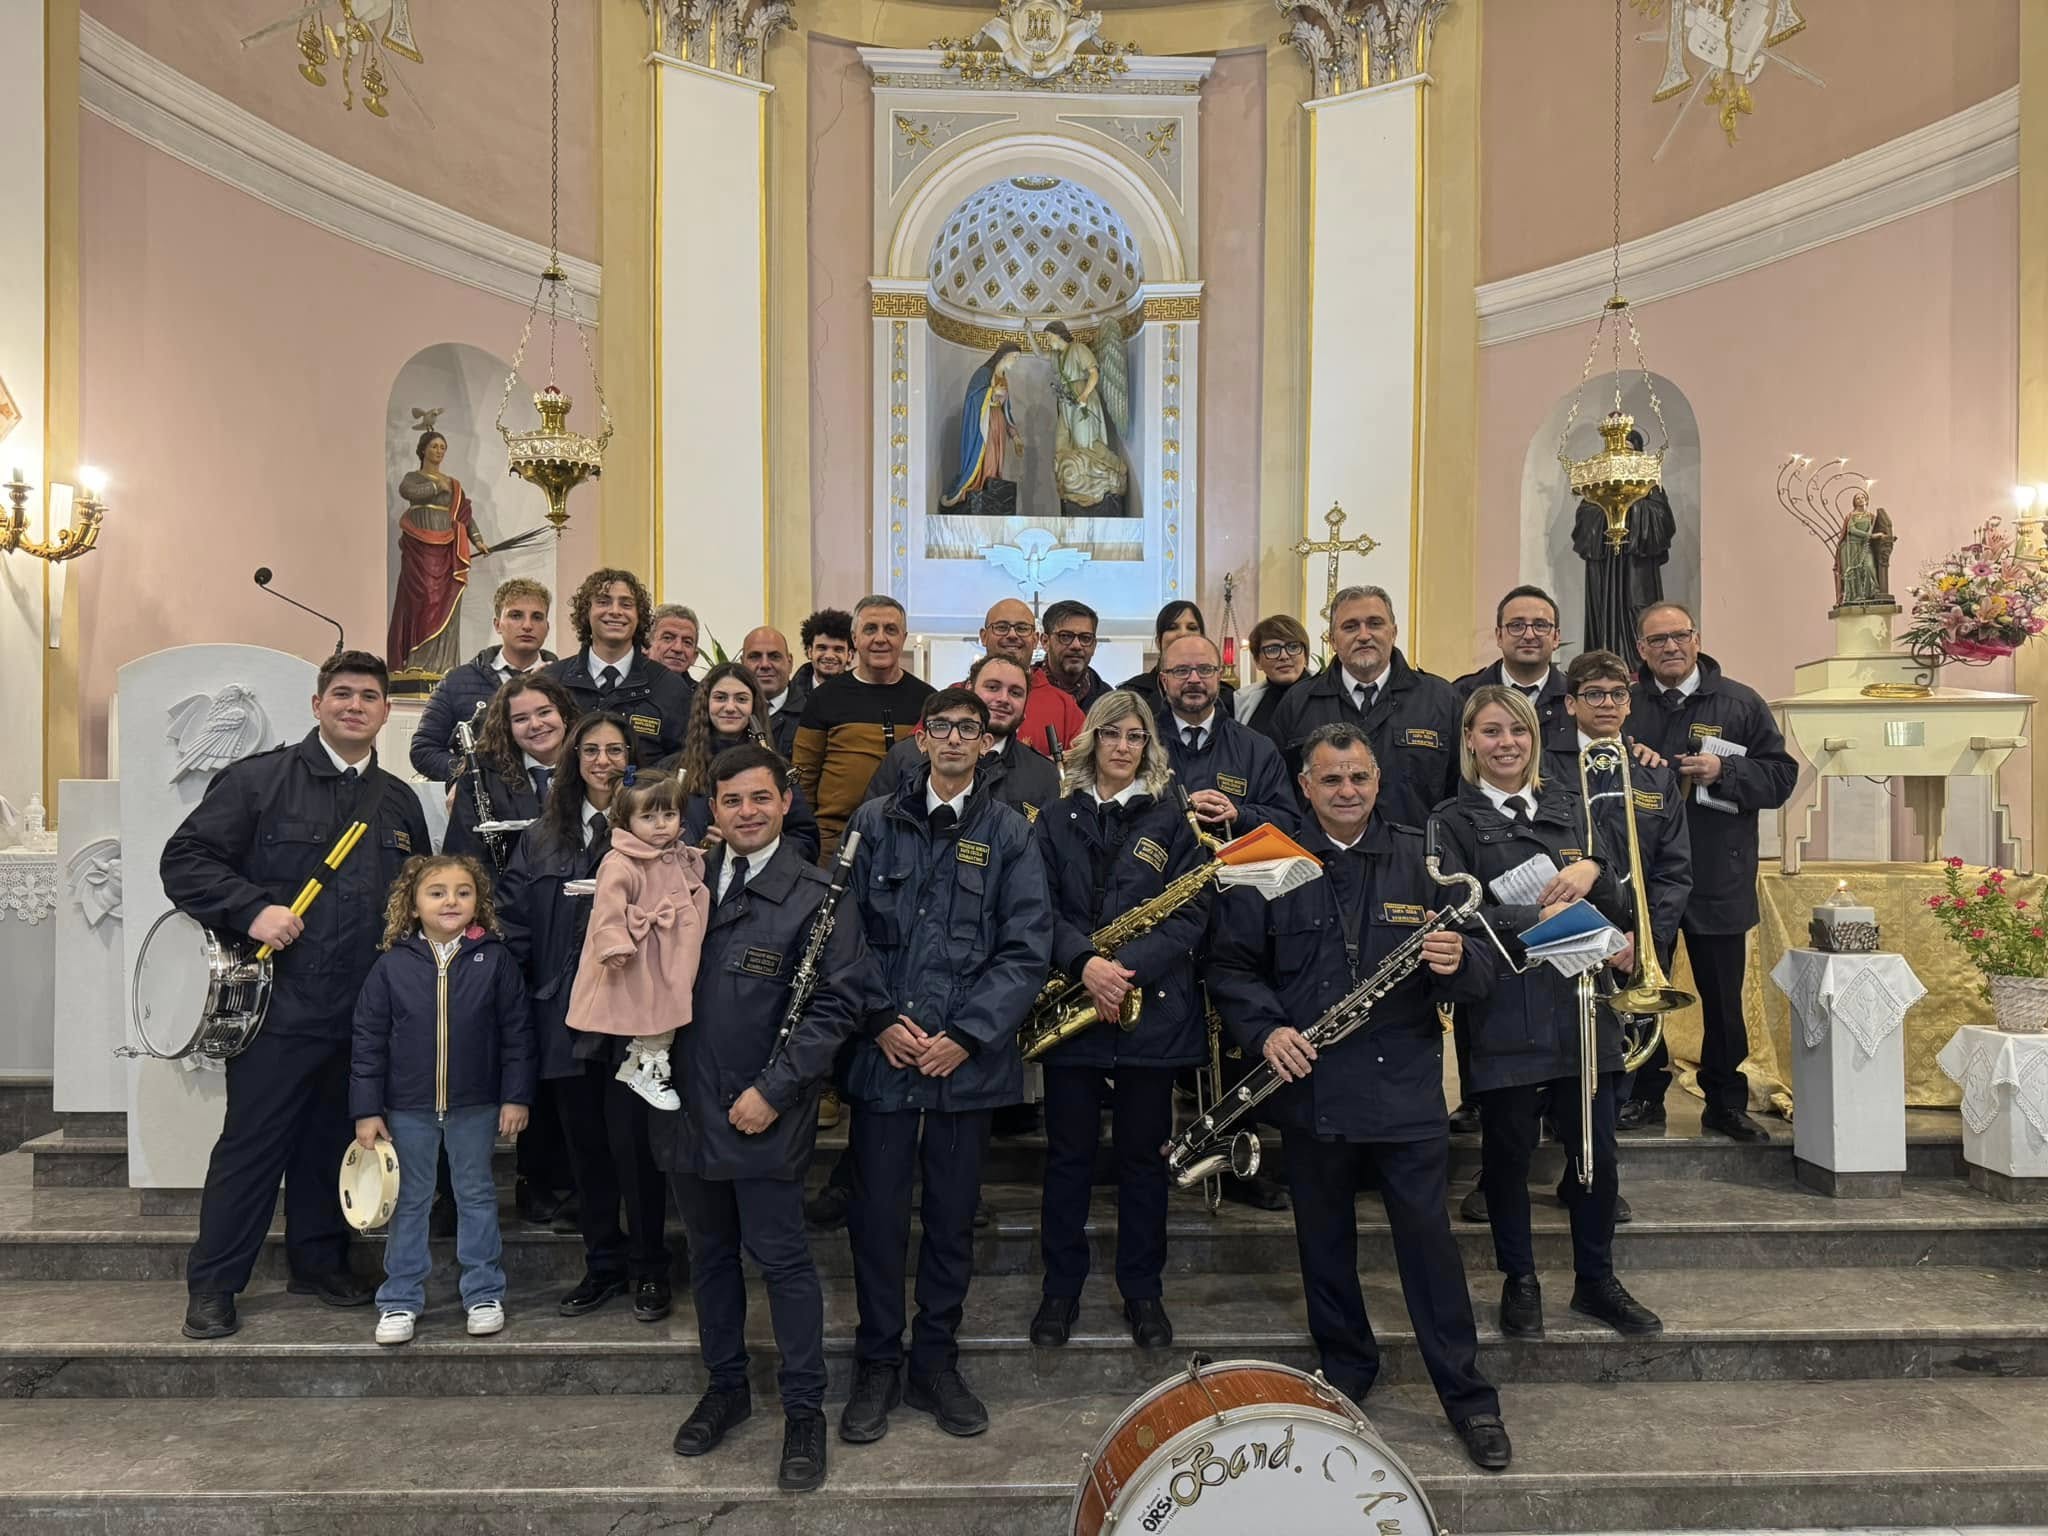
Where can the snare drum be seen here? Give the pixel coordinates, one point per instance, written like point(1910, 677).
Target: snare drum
point(196, 991)
point(1240, 1446)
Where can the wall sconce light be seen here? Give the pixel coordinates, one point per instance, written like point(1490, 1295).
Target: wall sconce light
point(74, 517)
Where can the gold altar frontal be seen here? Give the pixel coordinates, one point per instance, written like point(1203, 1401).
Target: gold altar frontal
point(1899, 894)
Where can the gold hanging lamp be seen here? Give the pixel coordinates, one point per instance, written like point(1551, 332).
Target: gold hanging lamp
point(1620, 475)
point(553, 456)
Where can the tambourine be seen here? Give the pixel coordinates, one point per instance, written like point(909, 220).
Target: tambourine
point(369, 1184)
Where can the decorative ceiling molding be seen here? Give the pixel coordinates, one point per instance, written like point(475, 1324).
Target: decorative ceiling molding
point(1353, 44)
point(171, 112)
point(1916, 171)
point(725, 35)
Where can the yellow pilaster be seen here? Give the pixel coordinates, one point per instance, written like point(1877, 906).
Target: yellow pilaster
point(787, 197)
point(62, 747)
point(1284, 378)
point(627, 341)
point(2031, 665)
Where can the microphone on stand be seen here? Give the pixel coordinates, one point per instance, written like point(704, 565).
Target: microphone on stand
point(263, 581)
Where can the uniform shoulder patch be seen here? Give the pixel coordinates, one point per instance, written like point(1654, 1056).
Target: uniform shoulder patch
point(1231, 784)
point(1422, 736)
point(972, 853)
point(1150, 852)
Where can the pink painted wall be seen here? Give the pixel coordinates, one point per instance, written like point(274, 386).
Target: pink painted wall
point(476, 139)
point(1547, 113)
point(1897, 347)
point(237, 364)
point(1233, 198)
point(842, 347)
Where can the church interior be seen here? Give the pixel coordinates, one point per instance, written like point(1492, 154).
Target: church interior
point(778, 304)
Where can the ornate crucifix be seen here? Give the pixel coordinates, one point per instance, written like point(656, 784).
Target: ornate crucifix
point(1334, 546)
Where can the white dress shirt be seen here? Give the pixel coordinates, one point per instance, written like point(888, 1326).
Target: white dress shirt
point(756, 862)
point(1505, 803)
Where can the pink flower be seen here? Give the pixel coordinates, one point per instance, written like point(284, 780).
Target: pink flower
point(1934, 901)
point(1959, 902)
point(2019, 906)
point(1976, 933)
point(2035, 932)
point(1983, 890)
point(1955, 863)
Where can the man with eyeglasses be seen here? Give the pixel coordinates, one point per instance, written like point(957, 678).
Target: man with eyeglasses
point(1526, 630)
point(1009, 630)
point(1234, 776)
point(1409, 716)
point(952, 896)
point(1682, 702)
point(1070, 652)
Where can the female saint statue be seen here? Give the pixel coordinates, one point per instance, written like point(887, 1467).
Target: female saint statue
point(436, 543)
point(1863, 555)
point(988, 433)
point(1093, 392)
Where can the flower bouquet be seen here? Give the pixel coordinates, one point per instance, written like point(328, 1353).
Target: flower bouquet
point(1979, 604)
point(2005, 941)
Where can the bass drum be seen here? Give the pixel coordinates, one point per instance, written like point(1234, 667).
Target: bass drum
point(1242, 1445)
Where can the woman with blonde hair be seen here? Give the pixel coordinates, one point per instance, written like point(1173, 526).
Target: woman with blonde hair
point(1116, 839)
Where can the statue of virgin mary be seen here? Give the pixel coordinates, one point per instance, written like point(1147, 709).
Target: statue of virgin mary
point(988, 437)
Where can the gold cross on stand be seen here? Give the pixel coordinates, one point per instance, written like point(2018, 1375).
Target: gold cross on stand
point(1334, 546)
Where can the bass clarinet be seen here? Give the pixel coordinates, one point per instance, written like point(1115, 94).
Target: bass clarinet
point(473, 765)
point(805, 982)
point(1222, 1137)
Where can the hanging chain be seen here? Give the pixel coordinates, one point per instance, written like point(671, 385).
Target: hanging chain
point(554, 170)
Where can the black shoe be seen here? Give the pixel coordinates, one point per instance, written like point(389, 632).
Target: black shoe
point(984, 1218)
point(826, 1212)
point(1055, 1321)
point(946, 1398)
point(876, 1389)
point(716, 1412)
point(336, 1287)
point(1622, 1213)
point(535, 1205)
point(1521, 1307)
point(1735, 1124)
point(651, 1300)
point(1465, 1119)
point(803, 1453)
point(441, 1217)
point(591, 1292)
point(1151, 1328)
point(1639, 1115)
point(1607, 1302)
point(210, 1315)
point(1258, 1192)
point(568, 1217)
point(1486, 1441)
point(1473, 1206)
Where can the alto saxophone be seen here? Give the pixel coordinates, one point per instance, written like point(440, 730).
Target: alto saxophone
point(1064, 1007)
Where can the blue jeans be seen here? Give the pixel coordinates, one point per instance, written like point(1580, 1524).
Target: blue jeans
point(469, 1134)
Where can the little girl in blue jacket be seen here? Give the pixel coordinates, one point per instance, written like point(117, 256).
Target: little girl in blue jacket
point(443, 1057)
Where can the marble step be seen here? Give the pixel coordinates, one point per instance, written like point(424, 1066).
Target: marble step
point(96, 1234)
point(1633, 1456)
point(66, 1339)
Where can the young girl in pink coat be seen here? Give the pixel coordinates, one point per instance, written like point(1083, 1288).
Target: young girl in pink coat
point(647, 922)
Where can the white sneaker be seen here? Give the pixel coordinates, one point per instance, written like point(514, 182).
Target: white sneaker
point(628, 1065)
point(486, 1317)
point(651, 1083)
point(396, 1327)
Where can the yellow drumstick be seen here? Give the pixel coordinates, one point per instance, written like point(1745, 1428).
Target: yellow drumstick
point(343, 847)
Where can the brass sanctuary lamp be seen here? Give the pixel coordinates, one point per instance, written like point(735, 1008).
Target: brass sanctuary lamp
point(1617, 477)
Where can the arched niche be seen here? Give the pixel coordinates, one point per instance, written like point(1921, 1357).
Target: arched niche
point(465, 384)
point(1548, 506)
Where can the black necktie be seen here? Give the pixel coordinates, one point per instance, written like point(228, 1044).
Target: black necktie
point(596, 825)
point(1191, 736)
point(607, 681)
point(738, 880)
point(1530, 690)
point(943, 819)
point(349, 777)
point(542, 777)
point(1673, 699)
point(1518, 812)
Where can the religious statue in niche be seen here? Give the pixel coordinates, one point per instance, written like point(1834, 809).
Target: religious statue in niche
point(1093, 386)
point(1621, 583)
point(436, 543)
point(986, 486)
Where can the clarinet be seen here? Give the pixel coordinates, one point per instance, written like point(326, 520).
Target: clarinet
point(1053, 749)
point(465, 738)
point(805, 982)
point(888, 730)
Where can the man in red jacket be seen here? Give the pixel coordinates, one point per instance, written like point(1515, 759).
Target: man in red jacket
point(1010, 630)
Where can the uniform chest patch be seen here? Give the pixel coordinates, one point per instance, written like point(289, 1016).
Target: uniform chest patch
point(972, 853)
point(762, 962)
point(1231, 784)
point(1406, 913)
point(1701, 730)
point(1030, 811)
point(404, 841)
point(1571, 855)
point(1151, 853)
point(1421, 736)
point(1649, 800)
point(647, 725)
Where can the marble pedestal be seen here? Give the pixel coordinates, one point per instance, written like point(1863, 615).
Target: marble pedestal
point(28, 961)
point(2004, 1079)
point(1848, 1070)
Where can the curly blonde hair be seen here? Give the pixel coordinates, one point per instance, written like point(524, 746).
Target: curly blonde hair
point(401, 917)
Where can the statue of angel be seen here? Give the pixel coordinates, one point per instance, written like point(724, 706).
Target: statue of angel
point(1093, 387)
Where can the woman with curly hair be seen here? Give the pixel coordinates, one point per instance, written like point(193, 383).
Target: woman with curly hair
point(526, 725)
point(442, 1057)
point(611, 614)
point(729, 711)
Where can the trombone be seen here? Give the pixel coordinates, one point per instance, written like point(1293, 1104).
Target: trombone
point(1648, 994)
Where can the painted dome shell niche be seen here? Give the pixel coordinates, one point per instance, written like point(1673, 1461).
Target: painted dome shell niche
point(1035, 247)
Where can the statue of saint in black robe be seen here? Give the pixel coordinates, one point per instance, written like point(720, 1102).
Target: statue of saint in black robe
point(1621, 583)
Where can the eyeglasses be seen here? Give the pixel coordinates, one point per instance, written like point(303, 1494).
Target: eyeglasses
point(1599, 696)
point(1530, 627)
point(941, 727)
point(1280, 650)
point(1182, 674)
point(1676, 637)
point(1073, 637)
point(1122, 738)
point(1011, 630)
point(592, 751)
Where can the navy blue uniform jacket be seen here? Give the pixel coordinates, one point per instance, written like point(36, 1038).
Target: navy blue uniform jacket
point(265, 824)
point(751, 952)
point(1022, 779)
point(1412, 725)
point(1723, 842)
point(418, 1047)
point(961, 934)
point(654, 701)
point(1283, 963)
point(1560, 730)
point(1237, 761)
point(454, 701)
point(1097, 869)
point(544, 930)
point(1528, 1032)
point(511, 799)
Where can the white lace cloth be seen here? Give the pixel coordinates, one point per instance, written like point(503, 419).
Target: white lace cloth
point(1868, 995)
point(28, 885)
point(1982, 1061)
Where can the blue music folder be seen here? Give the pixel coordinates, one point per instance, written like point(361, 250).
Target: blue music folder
point(1577, 921)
